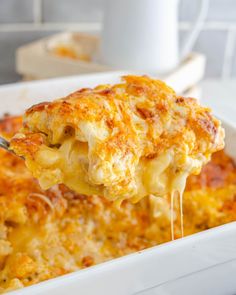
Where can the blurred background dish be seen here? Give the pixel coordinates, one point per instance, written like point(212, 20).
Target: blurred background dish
point(24, 21)
point(72, 53)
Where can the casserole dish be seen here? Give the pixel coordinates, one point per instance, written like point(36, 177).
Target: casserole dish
point(178, 267)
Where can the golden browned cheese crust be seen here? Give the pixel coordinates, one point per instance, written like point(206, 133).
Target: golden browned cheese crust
point(47, 233)
point(121, 141)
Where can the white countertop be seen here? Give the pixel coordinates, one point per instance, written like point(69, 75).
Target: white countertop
point(220, 95)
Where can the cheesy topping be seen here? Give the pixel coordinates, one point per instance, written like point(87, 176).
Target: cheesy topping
point(123, 141)
point(45, 234)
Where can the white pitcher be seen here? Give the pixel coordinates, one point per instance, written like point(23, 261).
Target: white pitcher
point(142, 35)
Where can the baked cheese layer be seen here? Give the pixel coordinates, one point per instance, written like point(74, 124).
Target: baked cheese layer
point(45, 234)
point(123, 141)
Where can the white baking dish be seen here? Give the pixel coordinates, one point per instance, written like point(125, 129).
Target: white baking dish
point(203, 263)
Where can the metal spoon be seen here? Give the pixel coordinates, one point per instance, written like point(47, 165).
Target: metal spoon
point(4, 144)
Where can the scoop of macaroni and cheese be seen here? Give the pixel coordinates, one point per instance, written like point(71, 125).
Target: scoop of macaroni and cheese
point(121, 141)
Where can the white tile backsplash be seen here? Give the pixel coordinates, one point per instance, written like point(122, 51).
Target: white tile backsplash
point(219, 10)
point(72, 10)
point(233, 63)
point(222, 10)
point(212, 43)
point(22, 21)
point(15, 11)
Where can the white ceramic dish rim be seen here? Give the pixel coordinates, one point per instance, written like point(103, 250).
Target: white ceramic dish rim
point(135, 272)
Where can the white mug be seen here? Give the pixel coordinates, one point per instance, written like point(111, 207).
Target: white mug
point(142, 35)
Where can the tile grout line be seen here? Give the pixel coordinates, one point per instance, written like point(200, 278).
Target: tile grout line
point(228, 56)
point(210, 25)
point(37, 11)
point(40, 25)
point(36, 26)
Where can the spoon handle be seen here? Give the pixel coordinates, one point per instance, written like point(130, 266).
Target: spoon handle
point(4, 144)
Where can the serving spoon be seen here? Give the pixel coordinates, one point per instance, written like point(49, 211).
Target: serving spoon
point(4, 144)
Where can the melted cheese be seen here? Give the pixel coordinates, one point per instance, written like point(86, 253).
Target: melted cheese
point(125, 141)
point(45, 234)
